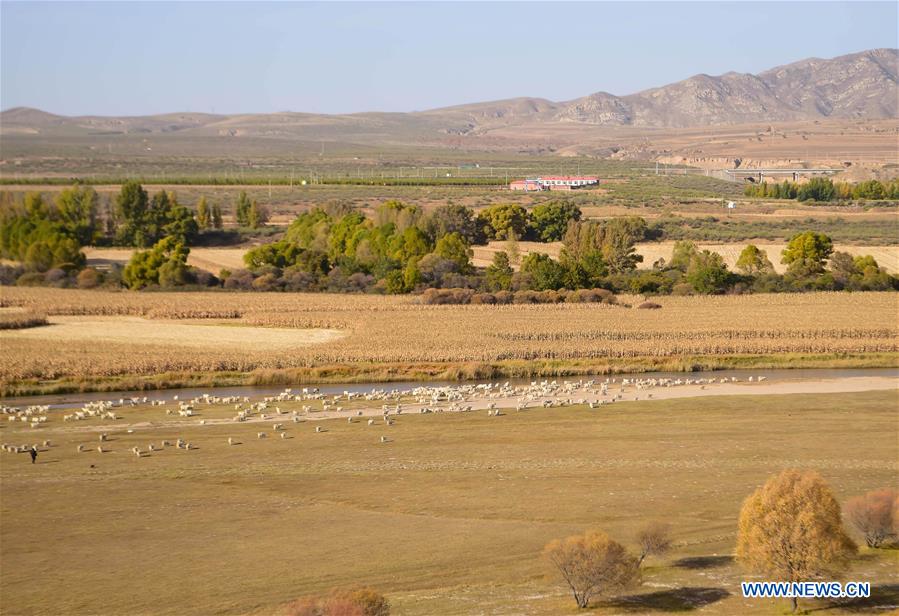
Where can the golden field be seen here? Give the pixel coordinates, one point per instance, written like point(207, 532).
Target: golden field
point(383, 338)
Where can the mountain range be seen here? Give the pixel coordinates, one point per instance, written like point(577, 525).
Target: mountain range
point(862, 85)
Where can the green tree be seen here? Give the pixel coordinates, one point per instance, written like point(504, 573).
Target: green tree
point(549, 221)
point(453, 247)
point(217, 222)
point(806, 253)
point(707, 273)
point(242, 210)
point(816, 189)
point(681, 255)
point(453, 218)
point(754, 261)
point(164, 264)
point(132, 205)
point(544, 272)
point(204, 219)
point(77, 208)
point(499, 273)
point(497, 220)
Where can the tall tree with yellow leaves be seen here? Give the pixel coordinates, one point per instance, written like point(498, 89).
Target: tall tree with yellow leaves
point(790, 530)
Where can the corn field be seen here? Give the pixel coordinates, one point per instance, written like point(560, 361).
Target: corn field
point(397, 330)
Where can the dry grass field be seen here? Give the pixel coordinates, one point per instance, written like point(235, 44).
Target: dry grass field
point(181, 334)
point(390, 338)
point(447, 518)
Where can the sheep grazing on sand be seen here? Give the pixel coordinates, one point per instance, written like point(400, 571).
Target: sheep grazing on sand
point(383, 439)
point(100, 448)
point(80, 448)
point(231, 441)
point(260, 435)
point(284, 435)
point(103, 437)
point(319, 429)
point(371, 422)
point(46, 443)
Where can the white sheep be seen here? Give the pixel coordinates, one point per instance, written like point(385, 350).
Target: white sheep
point(319, 429)
point(260, 435)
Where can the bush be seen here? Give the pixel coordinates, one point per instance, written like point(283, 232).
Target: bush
point(875, 515)
point(361, 602)
point(446, 296)
point(483, 298)
point(30, 279)
point(88, 278)
point(9, 274)
point(649, 306)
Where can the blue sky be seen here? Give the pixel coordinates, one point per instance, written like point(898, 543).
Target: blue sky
point(129, 58)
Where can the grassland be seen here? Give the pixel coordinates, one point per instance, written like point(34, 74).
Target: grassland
point(447, 518)
point(394, 338)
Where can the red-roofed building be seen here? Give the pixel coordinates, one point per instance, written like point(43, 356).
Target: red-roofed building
point(555, 182)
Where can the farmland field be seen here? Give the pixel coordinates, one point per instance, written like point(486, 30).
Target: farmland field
point(395, 337)
point(449, 517)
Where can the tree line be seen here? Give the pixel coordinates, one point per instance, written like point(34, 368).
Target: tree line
point(400, 248)
point(824, 189)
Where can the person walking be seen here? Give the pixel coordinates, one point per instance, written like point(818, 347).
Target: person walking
point(33, 454)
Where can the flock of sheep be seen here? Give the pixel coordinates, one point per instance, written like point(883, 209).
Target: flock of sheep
point(385, 403)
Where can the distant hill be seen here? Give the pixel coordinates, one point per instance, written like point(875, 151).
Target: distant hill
point(856, 86)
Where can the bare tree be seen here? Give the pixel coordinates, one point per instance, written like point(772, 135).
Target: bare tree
point(790, 529)
point(654, 540)
point(592, 564)
point(875, 515)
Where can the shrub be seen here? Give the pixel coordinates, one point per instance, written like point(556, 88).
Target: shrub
point(649, 306)
point(361, 602)
point(483, 298)
point(88, 278)
point(592, 564)
point(446, 296)
point(875, 515)
point(30, 279)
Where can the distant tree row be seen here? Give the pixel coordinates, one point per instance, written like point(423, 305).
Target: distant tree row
point(824, 189)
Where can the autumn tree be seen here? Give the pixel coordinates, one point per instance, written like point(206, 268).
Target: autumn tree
point(654, 540)
point(875, 515)
point(790, 530)
point(754, 261)
point(592, 564)
point(806, 253)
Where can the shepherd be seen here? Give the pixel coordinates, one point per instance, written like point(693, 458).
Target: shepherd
point(33, 454)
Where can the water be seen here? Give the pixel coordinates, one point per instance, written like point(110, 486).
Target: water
point(76, 400)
